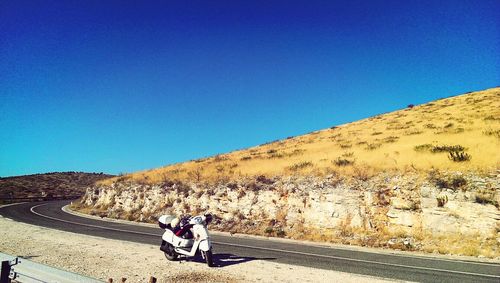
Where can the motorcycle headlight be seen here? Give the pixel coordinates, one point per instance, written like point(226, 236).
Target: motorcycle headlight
point(198, 220)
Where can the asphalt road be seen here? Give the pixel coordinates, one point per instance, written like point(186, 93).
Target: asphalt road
point(394, 266)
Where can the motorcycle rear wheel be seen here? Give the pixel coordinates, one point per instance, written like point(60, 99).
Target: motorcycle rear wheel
point(170, 254)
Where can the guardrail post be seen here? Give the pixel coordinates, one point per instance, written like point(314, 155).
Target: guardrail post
point(5, 273)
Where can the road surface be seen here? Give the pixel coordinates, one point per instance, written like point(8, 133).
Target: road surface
point(386, 265)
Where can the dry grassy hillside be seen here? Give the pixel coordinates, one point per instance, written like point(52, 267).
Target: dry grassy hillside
point(49, 184)
point(458, 133)
point(423, 178)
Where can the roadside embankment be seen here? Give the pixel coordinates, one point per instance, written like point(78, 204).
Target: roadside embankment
point(443, 212)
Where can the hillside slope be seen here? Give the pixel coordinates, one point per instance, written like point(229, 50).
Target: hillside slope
point(55, 184)
point(423, 178)
point(417, 138)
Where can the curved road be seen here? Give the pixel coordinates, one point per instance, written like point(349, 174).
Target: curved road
point(394, 266)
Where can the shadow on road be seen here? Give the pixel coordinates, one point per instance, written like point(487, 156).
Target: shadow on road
point(223, 260)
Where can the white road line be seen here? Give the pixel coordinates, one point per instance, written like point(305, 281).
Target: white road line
point(87, 225)
point(276, 250)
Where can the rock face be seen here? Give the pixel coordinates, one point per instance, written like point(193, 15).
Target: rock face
point(384, 208)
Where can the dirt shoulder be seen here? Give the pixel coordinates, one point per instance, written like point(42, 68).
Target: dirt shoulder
point(105, 258)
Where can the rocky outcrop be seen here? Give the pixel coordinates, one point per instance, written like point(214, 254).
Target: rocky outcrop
point(384, 210)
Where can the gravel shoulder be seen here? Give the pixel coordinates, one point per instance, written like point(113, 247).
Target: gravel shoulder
point(105, 258)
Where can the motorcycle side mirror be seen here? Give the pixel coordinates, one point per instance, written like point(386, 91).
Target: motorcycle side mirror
point(208, 218)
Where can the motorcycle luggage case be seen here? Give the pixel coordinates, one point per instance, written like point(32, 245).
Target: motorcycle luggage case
point(165, 220)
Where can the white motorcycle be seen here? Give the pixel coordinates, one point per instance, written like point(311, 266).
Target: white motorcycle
point(197, 238)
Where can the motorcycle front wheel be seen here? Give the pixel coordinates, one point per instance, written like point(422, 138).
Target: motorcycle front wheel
point(170, 254)
point(208, 257)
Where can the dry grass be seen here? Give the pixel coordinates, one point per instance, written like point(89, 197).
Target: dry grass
point(384, 142)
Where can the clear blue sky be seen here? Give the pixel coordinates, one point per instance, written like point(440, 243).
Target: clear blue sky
point(120, 86)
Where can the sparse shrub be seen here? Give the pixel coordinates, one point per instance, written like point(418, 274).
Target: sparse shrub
point(458, 156)
point(271, 151)
point(275, 155)
point(423, 147)
point(300, 165)
point(458, 182)
point(491, 118)
point(372, 146)
point(398, 126)
point(362, 173)
point(348, 154)
point(244, 158)
point(486, 197)
point(280, 233)
point(343, 161)
point(441, 200)
point(410, 106)
point(436, 178)
point(441, 183)
point(412, 132)
point(219, 158)
point(232, 185)
point(449, 125)
point(391, 139)
point(195, 174)
point(263, 179)
point(491, 132)
point(430, 126)
point(345, 145)
point(253, 186)
point(220, 169)
point(296, 152)
point(269, 230)
point(447, 148)
point(241, 193)
point(376, 133)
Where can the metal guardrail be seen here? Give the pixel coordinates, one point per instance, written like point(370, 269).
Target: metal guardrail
point(23, 270)
point(30, 199)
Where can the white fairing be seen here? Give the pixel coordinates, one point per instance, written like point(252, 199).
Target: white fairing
point(204, 245)
point(170, 237)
